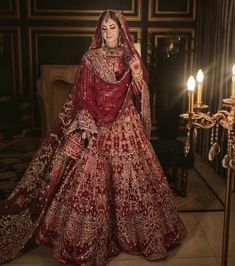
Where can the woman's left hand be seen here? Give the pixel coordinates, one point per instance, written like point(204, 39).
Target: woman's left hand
point(134, 64)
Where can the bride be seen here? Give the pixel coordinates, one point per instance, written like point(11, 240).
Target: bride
point(95, 188)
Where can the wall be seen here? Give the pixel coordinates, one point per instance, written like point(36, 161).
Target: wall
point(38, 32)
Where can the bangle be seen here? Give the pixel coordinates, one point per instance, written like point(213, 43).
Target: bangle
point(137, 75)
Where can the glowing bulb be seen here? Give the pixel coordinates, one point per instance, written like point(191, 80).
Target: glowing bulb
point(191, 83)
point(200, 76)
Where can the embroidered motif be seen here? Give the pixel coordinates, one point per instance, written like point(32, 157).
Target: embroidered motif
point(86, 121)
point(97, 63)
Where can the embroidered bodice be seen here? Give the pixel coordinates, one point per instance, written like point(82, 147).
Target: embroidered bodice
point(116, 63)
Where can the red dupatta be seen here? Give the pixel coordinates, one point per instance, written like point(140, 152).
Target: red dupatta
point(111, 87)
point(99, 92)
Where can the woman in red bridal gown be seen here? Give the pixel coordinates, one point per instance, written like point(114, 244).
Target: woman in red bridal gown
point(95, 188)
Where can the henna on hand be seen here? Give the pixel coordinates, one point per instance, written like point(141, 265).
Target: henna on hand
point(135, 65)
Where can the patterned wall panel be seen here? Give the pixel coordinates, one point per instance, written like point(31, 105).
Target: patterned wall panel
point(9, 9)
point(170, 57)
point(82, 10)
point(168, 10)
point(10, 62)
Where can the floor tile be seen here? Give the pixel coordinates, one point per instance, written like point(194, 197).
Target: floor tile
point(195, 244)
point(231, 260)
point(36, 263)
point(168, 262)
point(215, 181)
point(40, 255)
point(212, 226)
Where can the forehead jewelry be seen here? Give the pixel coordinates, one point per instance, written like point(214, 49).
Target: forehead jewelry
point(107, 15)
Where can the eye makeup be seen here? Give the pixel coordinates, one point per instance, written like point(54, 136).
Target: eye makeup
point(112, 27)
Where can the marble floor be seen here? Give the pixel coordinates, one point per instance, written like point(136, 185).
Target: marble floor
point(202, 247)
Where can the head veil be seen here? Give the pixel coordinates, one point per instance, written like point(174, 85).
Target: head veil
point(126, 40)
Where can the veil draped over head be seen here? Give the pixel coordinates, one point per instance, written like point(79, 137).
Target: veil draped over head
point(127, 42)
point(126, 37)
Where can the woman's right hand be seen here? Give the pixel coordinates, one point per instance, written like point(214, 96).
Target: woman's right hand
point(135, 65)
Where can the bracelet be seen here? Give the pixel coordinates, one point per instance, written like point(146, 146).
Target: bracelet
point(137, 75)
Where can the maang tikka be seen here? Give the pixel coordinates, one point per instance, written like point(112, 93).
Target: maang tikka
point(107, 15)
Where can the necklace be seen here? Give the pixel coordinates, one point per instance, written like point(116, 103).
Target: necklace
point(112, 60)
point(112, 50)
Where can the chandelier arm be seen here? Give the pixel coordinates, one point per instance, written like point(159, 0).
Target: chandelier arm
point(226, 124)
point(203, 125)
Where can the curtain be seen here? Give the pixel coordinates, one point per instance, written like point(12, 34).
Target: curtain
point(215, 55)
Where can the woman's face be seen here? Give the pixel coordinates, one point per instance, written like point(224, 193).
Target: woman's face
point(110, 32)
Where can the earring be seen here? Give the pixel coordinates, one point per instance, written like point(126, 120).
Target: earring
point(102, 43)
point(107, 15)
point(119, 40)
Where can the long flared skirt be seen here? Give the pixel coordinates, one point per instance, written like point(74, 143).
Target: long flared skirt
point(112, 198)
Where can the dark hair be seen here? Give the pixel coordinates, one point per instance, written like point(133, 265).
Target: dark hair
point(110, 14)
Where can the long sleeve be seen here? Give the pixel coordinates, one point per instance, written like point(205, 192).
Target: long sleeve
point(137, 84)
point(141, 91)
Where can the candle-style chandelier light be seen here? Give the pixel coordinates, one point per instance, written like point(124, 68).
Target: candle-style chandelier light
point(196, 118)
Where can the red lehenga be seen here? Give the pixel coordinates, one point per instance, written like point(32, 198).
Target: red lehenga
point(92, 202)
